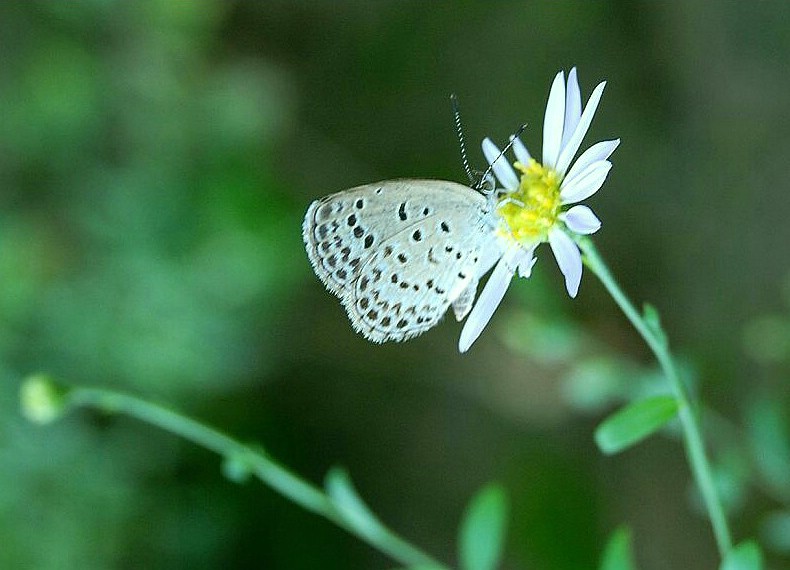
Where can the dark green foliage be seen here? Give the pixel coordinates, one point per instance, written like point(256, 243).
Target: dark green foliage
point(156, 159)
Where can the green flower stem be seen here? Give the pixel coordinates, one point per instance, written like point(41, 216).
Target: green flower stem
point(695, 447)
point(264, 468)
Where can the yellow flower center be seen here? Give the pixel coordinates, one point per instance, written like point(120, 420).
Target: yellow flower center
point(531, 211)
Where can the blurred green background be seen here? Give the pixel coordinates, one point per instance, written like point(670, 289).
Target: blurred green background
point(156, 160)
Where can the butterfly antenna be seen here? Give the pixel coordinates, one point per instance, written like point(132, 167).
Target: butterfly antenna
point(513, 138)
point(460, 132)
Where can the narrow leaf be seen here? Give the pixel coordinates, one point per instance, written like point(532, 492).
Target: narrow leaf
point(653, 320)
point(349, 504)
point(482, 531)
point(745, 556)
point(634, 423)
point(618, 554)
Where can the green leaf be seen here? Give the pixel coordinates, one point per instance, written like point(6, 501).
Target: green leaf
point(596, 383)
point(482, 532)
point(653, 321)
point(236, 468)
point(732, 476)
point(618, 554)
point(349, 504)
point(768, 428)
point(634, 423)
point(746, 556)
point(775, 532)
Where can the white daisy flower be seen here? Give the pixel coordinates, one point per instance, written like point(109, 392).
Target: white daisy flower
point(532, 205)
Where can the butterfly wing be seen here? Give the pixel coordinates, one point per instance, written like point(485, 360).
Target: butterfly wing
point(397, 253)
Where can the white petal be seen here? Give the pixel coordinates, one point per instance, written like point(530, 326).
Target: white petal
point(490, 298)
point(521, 152)
point(586, 183)
point(598, 151)
point(573, 107)
point(577, 176)
point(581, 220)
point(568, 258)
point(489, 255)
point(526, 263)
point(507, 177)
point(569, 150)
point(553, 120)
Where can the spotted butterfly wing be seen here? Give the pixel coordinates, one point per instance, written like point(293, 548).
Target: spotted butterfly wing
point(398, 253)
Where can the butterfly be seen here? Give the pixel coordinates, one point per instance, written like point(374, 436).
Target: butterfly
point(399, 253)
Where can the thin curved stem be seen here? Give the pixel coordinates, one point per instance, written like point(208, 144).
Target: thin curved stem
point(688, 412)
point(257, 463)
